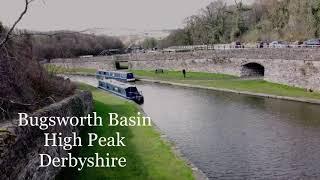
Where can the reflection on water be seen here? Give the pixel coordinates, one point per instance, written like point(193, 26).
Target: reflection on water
point(231, 136)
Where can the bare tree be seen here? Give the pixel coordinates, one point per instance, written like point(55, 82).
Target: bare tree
point(25, 85)
point(7, 37)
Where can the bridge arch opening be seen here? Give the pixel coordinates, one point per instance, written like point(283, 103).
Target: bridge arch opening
point(252, 70)
point(120, 65)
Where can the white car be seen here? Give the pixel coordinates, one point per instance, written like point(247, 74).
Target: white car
point(279, 44)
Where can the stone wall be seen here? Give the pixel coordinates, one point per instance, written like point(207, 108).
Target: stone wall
point(293, 66)
point(255, 53)
point(99, 62)
point(21, 146)
point(298, 73)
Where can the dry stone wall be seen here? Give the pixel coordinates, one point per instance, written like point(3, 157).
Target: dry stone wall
point(99, 62)
point(255, 53)
point(21, 146)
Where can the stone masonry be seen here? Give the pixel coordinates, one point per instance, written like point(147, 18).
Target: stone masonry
point(299, 67)
point(20, 146)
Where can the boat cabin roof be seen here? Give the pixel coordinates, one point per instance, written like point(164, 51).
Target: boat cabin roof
point(118, 83)
point(119, 72)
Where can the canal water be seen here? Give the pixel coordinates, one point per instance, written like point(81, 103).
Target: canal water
point(232, 136)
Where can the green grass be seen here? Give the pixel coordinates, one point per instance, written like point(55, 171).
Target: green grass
point(229, 82)
point(148, 156)
point(177, 75)
point(66, 70)
point(258, 86)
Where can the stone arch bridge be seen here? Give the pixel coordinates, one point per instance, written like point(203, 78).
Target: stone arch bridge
point(294, 67)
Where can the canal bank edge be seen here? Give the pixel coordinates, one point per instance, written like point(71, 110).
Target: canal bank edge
point(198, 174)
point(100, 95)
point(296, 99)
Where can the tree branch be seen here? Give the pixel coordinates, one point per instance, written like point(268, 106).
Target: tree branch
point(47, 34)
point(27, 2)
point(4, 100)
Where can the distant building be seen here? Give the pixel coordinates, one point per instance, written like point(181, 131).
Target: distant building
point(86, 56)
point(134, 49)
point(109, 52)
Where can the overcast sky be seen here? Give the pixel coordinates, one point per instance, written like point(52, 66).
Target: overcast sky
point(110, 14)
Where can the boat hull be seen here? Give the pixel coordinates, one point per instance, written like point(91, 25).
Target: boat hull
point(137, 99)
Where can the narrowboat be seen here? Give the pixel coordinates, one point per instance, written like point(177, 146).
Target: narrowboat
point(117, 75)
point(121, 89)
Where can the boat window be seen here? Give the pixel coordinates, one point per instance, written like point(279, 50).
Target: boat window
point(104, 73)
point(130, 76)
point(131, 89)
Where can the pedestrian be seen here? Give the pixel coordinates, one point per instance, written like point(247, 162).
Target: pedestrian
point(184, 73)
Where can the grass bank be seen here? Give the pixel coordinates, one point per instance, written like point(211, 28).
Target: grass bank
point(148, 156)
point(177, 75)
point(228, 82)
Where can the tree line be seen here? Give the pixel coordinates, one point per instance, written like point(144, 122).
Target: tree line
point(25, 85)
point(66, 44)
point(263, 20)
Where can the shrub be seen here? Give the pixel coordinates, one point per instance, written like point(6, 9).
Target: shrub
point(24, 85)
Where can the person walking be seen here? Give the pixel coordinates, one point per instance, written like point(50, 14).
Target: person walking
point(184, 73)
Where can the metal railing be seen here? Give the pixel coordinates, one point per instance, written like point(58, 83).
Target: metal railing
point(230, 46)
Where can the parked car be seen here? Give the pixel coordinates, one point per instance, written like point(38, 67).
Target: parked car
point(262, 44)
point(279, 44)
point(297, 43)
point(312, 42)
point(237, 44)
